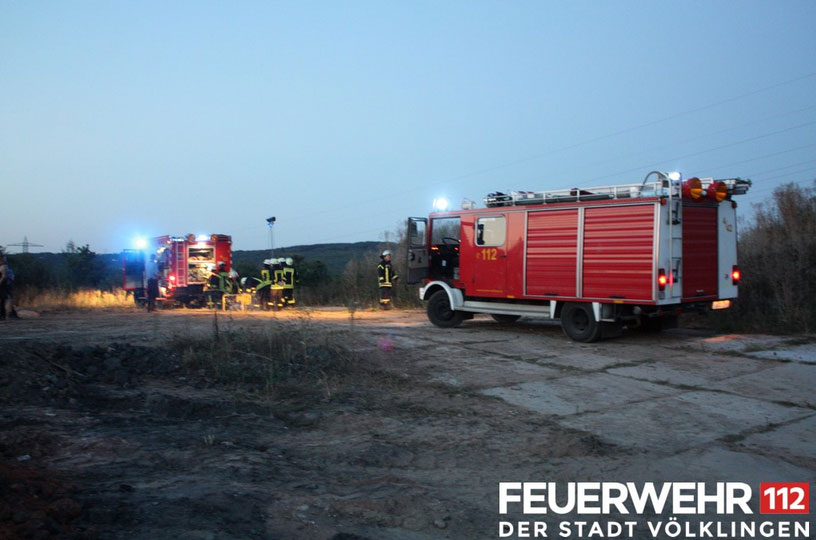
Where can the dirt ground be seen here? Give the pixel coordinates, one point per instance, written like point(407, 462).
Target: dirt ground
point(104, 433)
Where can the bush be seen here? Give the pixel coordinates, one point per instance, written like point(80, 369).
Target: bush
point(777, 257)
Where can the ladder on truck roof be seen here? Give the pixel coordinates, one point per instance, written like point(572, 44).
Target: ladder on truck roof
point(660, 188)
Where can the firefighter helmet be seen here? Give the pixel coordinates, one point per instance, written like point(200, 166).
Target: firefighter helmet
point(386, 252)
point(222, 265)
point(281, 260)
point(289, 261)
point(267, 262)
point(233, 274)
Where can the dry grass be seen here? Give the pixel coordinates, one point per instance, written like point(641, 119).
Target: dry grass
point(54, 300)
point(296, 356)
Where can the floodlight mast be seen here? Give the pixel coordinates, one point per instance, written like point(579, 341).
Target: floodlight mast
point(270, 221)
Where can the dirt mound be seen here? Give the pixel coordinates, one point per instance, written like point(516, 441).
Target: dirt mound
point(36, 504)
point(59, 375)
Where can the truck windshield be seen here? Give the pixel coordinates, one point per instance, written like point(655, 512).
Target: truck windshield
point(445, 228)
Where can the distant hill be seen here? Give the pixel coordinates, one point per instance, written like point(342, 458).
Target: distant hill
point(334, 256)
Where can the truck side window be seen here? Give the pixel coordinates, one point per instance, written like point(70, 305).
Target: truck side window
point(491, 231)
point(416, 233)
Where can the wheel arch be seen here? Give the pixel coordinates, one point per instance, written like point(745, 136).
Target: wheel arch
point(455, 296)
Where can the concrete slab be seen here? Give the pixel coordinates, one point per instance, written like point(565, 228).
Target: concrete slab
point(737, 343)
point(714, 463)
point(711, 464)
point(576, 394)
point(692, 371)
point(509, 348)
point(580, 361)
point(805, 354)
point(794, 442)
point(488, 371)
point(788, 383)
point(675, 423)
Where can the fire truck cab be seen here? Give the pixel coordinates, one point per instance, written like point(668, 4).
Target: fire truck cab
point(182, 265)
point(597, 258)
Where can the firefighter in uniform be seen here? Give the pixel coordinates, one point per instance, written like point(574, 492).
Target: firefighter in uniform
point(386, 277)
point(218, 285)
point(277, 283)
point(234, 282)
point(263, 288)
point(6, 284)
point(289, 279)
point(153, 290)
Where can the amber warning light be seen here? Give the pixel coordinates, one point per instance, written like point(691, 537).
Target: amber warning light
point(693, 188)
point(717, 191)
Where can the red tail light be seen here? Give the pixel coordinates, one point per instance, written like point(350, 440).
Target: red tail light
point(661, 280)
point(735, 275)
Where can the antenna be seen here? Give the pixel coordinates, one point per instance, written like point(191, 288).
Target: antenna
point(25, 244)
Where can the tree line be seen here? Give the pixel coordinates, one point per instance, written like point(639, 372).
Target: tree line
point(777, 258)
point(79, 267)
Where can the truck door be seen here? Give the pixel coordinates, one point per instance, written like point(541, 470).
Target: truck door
point(133, 264)
point(417, 249)
point(489, 263)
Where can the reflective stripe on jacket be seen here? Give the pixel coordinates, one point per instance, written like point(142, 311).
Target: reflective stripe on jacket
point(385, 274)
point(288, 274)
point(278, 277)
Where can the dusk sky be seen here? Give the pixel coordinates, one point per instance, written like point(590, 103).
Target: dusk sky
point(120, 120)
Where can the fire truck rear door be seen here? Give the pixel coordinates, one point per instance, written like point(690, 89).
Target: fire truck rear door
point(700, 252)
point(133, 264)
point(489, 277)
point(417, 249)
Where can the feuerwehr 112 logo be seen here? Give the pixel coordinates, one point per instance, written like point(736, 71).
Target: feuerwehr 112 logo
point(654, 510)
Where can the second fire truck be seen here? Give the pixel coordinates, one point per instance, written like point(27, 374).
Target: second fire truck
point(182, 264)
point(597, 258)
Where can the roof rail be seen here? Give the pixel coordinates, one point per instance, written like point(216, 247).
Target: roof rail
point(660, 188)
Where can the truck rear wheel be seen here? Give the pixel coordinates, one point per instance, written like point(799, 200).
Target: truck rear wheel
point(139, 297)
point(440, 312)
point(505, 319)
point(578, 322)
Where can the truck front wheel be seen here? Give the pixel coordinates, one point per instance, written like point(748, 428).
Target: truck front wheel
point(578, 322)
point(440, 312)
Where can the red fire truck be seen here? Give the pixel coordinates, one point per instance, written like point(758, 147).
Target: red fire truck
point(183, 265)
point(598, 259)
